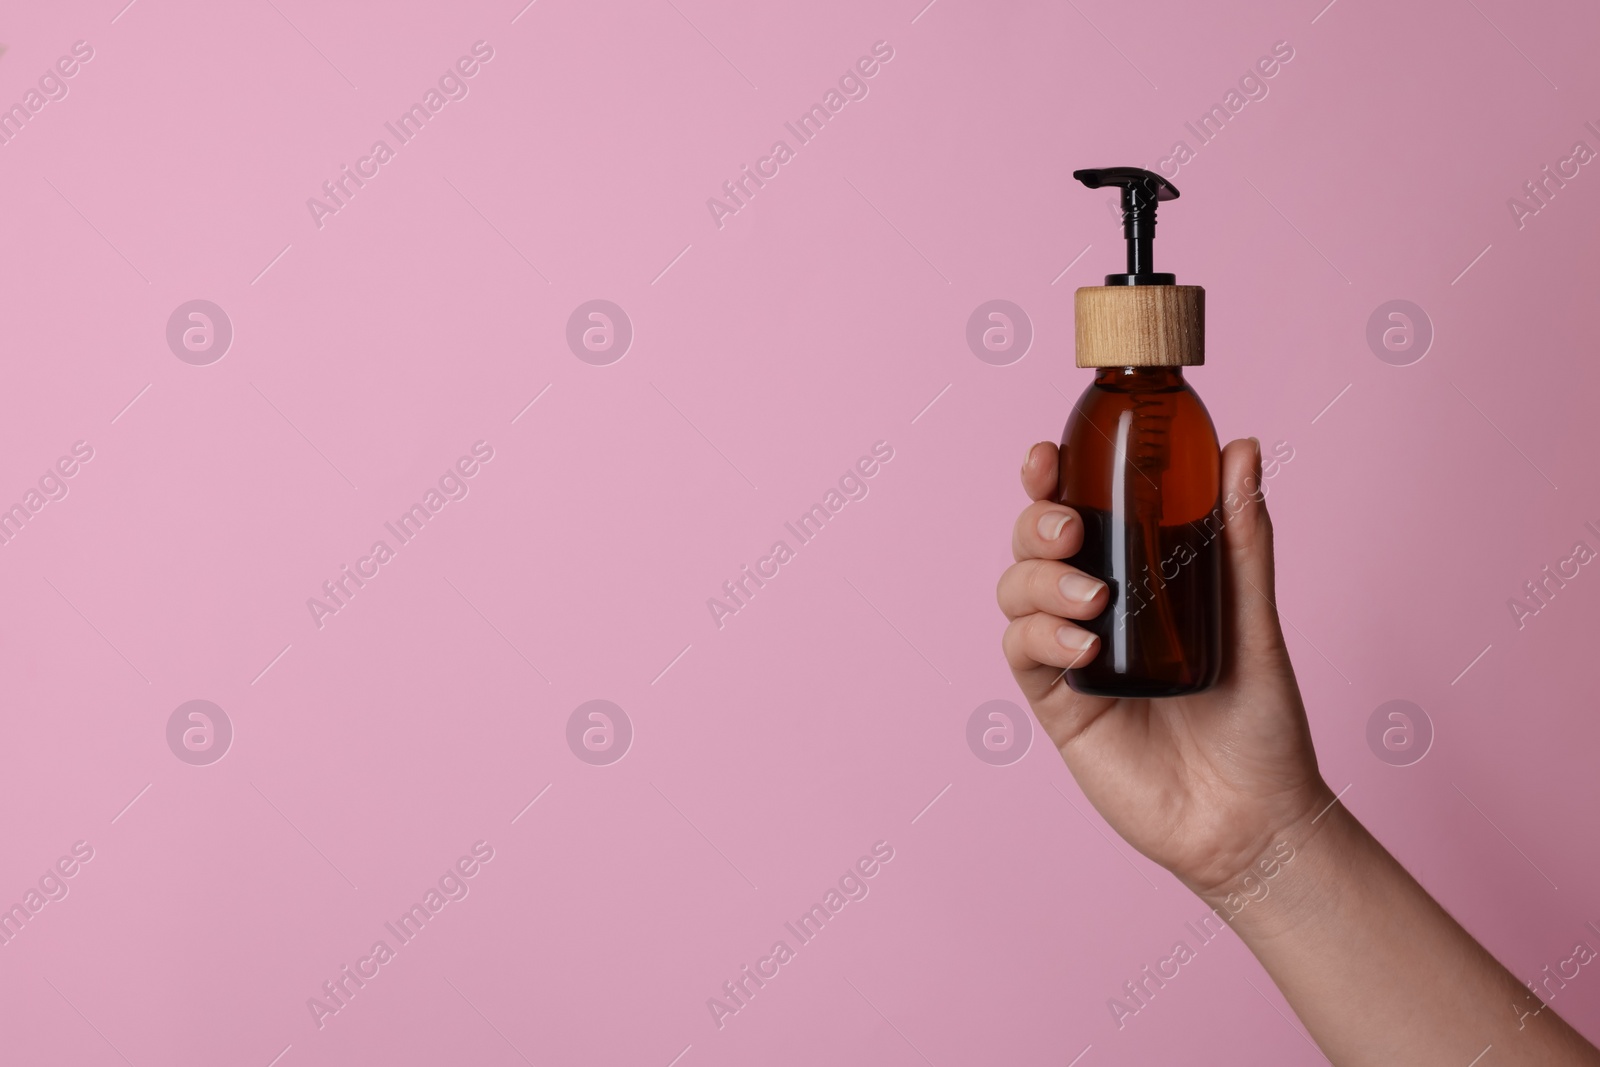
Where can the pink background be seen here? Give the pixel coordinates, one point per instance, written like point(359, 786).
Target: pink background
point(768, 355)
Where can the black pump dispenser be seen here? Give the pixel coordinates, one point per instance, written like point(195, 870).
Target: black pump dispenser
point(1141, 191)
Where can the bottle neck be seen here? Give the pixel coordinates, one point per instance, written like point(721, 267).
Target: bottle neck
point(1139, 378)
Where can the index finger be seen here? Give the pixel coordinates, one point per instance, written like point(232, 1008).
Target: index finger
point(1039, 471)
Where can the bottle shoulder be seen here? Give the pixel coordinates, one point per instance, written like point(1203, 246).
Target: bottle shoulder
point(1164, 433)
point(1100, 403)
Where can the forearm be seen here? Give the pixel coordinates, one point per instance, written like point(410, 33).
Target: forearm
point(1379, 973)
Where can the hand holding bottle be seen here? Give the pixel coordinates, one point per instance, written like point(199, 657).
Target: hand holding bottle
point(1203, 784)
point(1210, 784)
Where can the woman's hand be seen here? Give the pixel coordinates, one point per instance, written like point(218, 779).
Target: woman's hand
point(1208, 785)
point(1203, 785)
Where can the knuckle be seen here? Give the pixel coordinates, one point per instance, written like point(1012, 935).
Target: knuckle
point(1011, 644)
point(1005, 590)
point(1041, 583)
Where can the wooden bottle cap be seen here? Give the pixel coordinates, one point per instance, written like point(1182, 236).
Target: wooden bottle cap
point(1141, 325)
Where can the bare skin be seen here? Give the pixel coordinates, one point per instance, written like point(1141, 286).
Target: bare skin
point(1218, 787)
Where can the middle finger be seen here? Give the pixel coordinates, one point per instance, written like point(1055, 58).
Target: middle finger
point(1051, 587)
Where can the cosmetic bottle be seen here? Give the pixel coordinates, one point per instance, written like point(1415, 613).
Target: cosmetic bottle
point(1140, 465)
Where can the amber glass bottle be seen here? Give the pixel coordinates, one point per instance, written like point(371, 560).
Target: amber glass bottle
point(1141, 466)
point(1139, 463)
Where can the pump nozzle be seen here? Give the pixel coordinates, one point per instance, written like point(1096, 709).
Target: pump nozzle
point(1141, 191)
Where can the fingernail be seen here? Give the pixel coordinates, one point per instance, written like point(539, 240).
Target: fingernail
point(1080, 588)
point(1051, 523)
point(1027, 460)
point(1257, 444)
point(1074, 638)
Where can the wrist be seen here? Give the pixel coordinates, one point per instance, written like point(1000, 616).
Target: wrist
point(1297, 875)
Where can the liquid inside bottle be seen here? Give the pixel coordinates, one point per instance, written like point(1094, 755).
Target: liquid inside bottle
point(1141, 466)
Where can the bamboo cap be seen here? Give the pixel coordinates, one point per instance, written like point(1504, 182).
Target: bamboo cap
point(1141, 325)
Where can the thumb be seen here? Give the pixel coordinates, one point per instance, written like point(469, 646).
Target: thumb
point(1249, 580)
